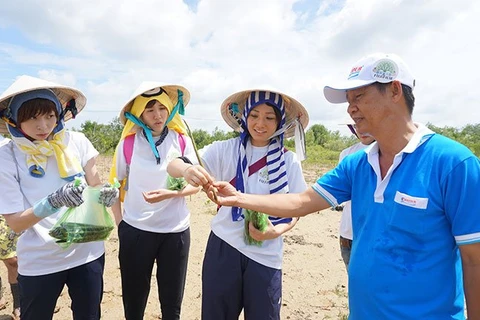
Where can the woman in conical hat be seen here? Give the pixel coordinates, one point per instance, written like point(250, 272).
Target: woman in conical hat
point(158, 232)
point(236, 273)
point(36, 169)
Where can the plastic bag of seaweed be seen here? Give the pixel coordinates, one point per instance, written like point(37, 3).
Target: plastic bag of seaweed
point(86, 223)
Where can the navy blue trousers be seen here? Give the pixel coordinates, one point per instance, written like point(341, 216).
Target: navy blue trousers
point(39, 294)
point(139, 250)
point(231, 281)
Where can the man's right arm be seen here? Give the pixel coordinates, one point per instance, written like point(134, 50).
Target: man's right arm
point(279, 205)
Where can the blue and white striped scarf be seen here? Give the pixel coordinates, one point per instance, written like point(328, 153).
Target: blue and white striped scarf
point(277, 174)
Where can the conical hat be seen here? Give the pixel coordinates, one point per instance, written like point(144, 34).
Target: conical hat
point(150, 85)
point(293, 109)
point(27, 83)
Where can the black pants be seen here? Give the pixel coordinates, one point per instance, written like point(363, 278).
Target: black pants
point(39, 294)
point(138, 251)
point(231, 282)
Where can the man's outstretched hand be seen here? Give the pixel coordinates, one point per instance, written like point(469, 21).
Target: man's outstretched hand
point(223, 193)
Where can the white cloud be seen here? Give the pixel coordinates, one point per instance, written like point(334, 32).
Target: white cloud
point(107, 48)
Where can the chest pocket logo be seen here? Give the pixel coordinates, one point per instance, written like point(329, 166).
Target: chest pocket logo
point(263, 175)
point(410, 201)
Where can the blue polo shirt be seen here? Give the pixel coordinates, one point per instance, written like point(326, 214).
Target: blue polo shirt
point(405, 262)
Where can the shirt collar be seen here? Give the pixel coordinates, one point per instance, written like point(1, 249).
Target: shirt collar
point(419, 137)
point(422, 134)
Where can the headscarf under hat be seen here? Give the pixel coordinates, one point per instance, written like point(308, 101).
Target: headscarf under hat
point(133, 121)
point(277, 174)
point(38, 151)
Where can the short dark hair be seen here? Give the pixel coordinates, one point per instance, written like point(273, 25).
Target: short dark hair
point(407, 94)
point(34, 108)
point(150, 104)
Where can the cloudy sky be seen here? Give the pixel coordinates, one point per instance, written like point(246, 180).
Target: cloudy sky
point(217, 47)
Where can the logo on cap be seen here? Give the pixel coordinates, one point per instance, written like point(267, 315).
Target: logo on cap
point(385, 71)
point(355, 72)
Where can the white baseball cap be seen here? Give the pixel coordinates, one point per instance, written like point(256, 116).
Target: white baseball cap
point(377, 67)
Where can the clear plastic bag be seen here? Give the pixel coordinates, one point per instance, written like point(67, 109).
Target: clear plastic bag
point(86, 223)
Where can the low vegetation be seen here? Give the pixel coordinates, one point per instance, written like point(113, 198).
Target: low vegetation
point(323, 145)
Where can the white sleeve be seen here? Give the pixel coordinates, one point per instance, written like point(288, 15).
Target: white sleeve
point(11, 197)
point(296, 180)
point(190, 151)
point(211, 160)
point(343, 154)
point(120, 162)
point(85, 148)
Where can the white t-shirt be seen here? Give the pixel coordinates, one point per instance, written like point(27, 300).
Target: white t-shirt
point(145, 174)
point(3, 140)
point(37, 252)
point(346, 219)
point(220, 159)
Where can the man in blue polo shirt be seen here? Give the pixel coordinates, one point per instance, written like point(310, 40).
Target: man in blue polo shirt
point(415, 208)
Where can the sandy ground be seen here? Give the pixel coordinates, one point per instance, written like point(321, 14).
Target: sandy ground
point(314, 277)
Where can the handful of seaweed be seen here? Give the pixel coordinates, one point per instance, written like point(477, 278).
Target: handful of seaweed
point(72, 232)
point(259, 221)
point(175, 183)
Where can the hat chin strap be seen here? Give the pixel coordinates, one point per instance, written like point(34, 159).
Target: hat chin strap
point(300, 143)
point(282, 130)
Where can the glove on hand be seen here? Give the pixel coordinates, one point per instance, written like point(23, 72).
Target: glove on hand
point(70, 195)
point(108, 195)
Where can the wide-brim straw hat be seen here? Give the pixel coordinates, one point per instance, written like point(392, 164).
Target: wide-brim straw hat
point(293, 109)
point(27, 83)
point(150, 85)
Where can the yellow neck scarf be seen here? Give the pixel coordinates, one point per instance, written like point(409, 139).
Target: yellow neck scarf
point(130, 128)
point(38, 151)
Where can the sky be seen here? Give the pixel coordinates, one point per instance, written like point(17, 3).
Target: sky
point(215, 48)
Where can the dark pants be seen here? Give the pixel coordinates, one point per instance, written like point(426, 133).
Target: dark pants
point(231, 281)
point(138, 251)
point(39, 294)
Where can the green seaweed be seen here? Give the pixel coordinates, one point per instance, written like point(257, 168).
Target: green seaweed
point(73, 232)
point(175, 183)
point(259, 221)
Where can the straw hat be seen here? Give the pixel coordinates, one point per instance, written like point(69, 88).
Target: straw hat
point(27, 83)
point(293, 109)
point(150, 85)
